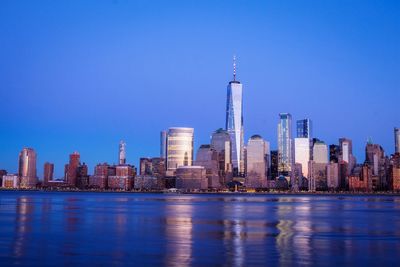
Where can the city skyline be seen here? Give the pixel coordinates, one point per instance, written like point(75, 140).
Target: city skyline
point(89, 92)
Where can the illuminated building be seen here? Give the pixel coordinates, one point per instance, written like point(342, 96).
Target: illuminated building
point(191, 178)
point(234, 123)
point(256, 162)
point(221, 143)
point(207, 157)
point(122, 152)
point(10, 181)
point(304, 128)
point(27, 168)
point(179, 148)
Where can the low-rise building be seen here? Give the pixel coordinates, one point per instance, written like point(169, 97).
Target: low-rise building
point(10, 181)
point(191, 178)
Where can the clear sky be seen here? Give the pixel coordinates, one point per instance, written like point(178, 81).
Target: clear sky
point(81, 75)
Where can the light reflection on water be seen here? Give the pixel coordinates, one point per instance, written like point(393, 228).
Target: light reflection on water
point(47, 229)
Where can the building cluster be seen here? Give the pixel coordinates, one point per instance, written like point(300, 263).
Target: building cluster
point(301, 162)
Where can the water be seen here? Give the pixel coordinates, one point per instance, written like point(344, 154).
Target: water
point(113, 229)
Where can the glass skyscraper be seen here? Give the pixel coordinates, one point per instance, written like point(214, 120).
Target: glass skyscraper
point(304, 128)
point(397, 140)
point(285, 147)
point(234, 122)
point(179, 147)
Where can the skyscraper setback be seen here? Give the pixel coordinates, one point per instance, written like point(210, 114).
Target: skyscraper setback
point(234, 122)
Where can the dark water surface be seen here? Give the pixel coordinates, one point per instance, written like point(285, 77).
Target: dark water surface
point(111, 229)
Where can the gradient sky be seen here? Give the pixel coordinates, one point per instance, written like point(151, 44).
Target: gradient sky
point(81, 75)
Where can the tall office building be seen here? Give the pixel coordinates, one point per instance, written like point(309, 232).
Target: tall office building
point(257, 162)
point(163, 144)
point(179, 147)
point(397, 140)
point(48, 172)
point(207, 157)
point(302, 153)
point(122, 153)
point(334, 153)
point(285, 147)
point(346, 153)
point(304, 128)
point(374, 157)
point(320, 152)
point(27, 168)
point(234, 122)
point(221, 142)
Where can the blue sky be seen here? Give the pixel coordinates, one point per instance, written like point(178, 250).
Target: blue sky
point(81, 75)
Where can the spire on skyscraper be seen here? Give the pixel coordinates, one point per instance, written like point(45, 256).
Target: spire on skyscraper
point(234, 67)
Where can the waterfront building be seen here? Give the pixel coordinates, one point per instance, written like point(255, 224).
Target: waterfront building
point(147, 183)
point(99, 179)
point(343, 175)
point(207, 157)
point(82, 179)
point(285, 146)
point(221, 143)
point(48, 172)
point(179, 148)
point(123, 178)
point(334, 153)
point(304, 128)
point(332, 173)
point(122, 153)
point(302, 154)
point(361, 179)
point(395, 172)
point(234, 123)
point(317, 176)
point(153, 167)
point(27, 168)
point(320, 152)
point(10, 181)
point(191, 178)
point(256, 162)
point(397, 140)
point(71, 169)
point(2, 173)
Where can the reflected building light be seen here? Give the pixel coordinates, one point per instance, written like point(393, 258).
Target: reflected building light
point(234, 233)
point(179, 231)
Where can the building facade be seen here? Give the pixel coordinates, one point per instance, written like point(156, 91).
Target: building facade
point(304, 128)
point(27, 168)
point(179, 147)
point(221, 143)
point(302, 154)
point(48, 172)
point(191, 178)
point(285, 146)
point(256, 162)
point(207, 157)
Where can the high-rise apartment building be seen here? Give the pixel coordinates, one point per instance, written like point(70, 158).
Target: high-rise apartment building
point(179, 147)
point(71, 169)
point(304, 128)
point(27, 168)
point(234, 122)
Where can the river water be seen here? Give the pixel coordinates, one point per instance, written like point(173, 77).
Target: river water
point(116, 229)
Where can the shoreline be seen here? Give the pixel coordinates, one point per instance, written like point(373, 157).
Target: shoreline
point(344, 193)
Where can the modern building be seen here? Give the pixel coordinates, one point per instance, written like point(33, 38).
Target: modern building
point(179, 148)
point(48, 172)
point(346, 153)
point(397, 140)
point(285, 146)
point(256, 162)
point(191, 178)
point(163, 144)
point(10, 181)
point(27, 168)
point(234, 123)
point(374, 157)
point(302, 153)
point(320, 152)
point(274, 165)
point(207, 157)
point(122, 153)
point(82, 178)
point(221, 143)
point(304, 128)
